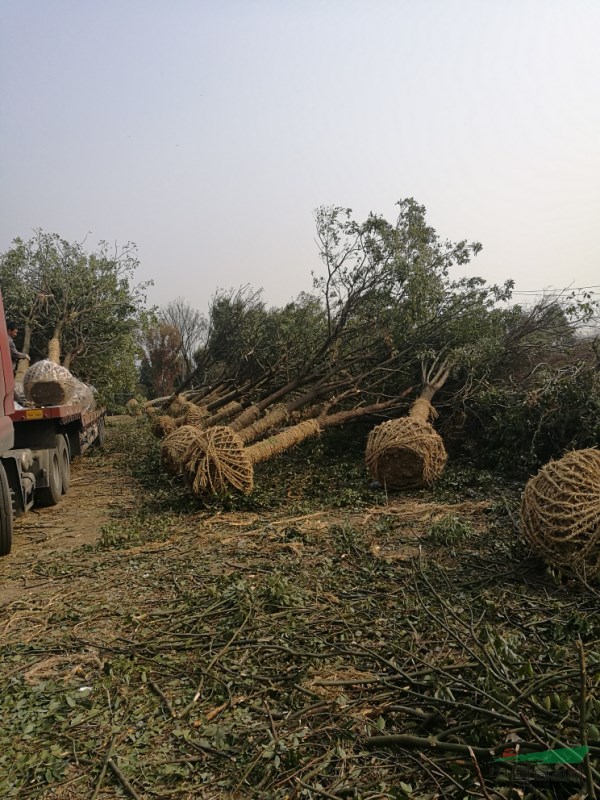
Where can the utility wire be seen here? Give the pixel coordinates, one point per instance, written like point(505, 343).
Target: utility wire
point(555, 291)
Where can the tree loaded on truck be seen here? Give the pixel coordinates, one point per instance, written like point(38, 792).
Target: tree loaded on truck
point(36, 448)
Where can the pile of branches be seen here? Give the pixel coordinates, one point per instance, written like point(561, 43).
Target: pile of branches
point(296, 659)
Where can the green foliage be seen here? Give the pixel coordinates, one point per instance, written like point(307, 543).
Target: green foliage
point(246, 339)
point(386, 297)
point(89, 301)
point(517, 429)
point(450, 530)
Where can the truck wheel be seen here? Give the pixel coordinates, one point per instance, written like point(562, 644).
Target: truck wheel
point(50, 495)
point(64, 460)
point(6, 514)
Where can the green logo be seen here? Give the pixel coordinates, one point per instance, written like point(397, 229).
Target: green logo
point(565, 755)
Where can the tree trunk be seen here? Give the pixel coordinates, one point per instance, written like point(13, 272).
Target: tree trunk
point(218, 460)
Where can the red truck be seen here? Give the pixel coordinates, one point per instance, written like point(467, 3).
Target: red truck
point(36, 448)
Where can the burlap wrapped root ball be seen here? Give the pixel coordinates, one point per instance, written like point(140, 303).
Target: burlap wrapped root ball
point(560, 513)
point(196, 415)
point(84, 396)
point(161, 426)
point(133, 407)
point(177, 407)
point(405, 453)
point(48, 384)
point(217, 462)
point(175, 448)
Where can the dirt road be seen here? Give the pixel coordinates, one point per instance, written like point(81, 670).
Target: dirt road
point(98, 493)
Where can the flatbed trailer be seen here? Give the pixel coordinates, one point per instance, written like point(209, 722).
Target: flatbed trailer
point(36, 448)
point(38, 466)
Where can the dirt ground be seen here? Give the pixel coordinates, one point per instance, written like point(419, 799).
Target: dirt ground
point(153, 648)
point(101, 493)
point(98, 493)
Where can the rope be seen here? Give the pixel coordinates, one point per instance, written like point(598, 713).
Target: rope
point(227, 411)
point(196, 415)
point(163, 425)
point(560, 512)
point(217, 462)
point(405, 453)
point(247, 417)
point(176, 446)
point(422, 410)
point(48, 384)
point(276, 417)
point(261, 451)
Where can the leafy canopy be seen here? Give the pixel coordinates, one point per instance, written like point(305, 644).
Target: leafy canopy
point(88, 301)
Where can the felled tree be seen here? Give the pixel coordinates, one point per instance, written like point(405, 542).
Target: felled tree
point(408, 453)
point(217, 460)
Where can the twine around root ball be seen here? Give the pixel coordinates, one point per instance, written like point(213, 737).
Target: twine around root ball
point(177, 407)
point(195, 415)
point(48, 384)
point(133, 407)
point(218, 462)
point(405, 453)
point(560, 512)
point(276, 416)
point(230, 410)
point(162, 425)
point(176, 446)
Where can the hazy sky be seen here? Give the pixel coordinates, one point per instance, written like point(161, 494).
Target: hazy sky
point(208, 131)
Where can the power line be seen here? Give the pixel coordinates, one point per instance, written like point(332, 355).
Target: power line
point(555, 291)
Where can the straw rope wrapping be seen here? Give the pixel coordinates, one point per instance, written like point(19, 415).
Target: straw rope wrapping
point(560, 512)
point(277, 415)
point(247, 417)
point(196, 415)
point(176, 446)
point(285, 440)
point(218, 462)
point(54, 350)
point(178, 406)
point(423, 410)
point(133, 407)
point(22, 367)
point(405, 453)
point(223, 414)
point(162, 425)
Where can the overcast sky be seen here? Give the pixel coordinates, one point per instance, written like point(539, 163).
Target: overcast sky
point(208, 132)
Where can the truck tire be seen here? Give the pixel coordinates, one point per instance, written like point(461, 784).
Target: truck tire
point(6, 514)
point(64, 460)
point(51, 494)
